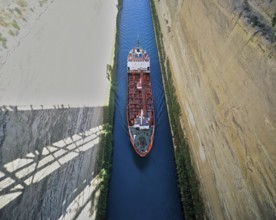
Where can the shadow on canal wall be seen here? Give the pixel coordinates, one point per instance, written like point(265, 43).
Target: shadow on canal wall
point(48, 161)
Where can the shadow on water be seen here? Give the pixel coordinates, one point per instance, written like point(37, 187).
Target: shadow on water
point(141, 162)
point(141, 188)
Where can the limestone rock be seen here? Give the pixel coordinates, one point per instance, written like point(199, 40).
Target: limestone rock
point(224, 71)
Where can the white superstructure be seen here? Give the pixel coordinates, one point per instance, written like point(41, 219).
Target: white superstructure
point(138, 59)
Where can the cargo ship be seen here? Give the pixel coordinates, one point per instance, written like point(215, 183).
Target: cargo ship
point(140, 111)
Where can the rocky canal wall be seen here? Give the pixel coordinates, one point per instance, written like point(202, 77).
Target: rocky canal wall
point(222, 58)
point(48, 162)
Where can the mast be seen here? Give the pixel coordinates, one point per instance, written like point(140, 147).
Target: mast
point(138, 40)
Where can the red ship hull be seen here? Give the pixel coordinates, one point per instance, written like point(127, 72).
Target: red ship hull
point(140, 110)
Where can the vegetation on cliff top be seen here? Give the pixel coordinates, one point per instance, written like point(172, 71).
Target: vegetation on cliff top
point(105, 154)
point(273, 21)
point(255, 20)
point(187, 179)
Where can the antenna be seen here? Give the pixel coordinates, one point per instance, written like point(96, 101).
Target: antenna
point(138, 40)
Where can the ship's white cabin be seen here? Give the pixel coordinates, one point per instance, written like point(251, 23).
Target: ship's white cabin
point(138, 59)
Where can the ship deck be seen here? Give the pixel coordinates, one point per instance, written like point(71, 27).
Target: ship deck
point(140, 111)
point(142, 139)
point(139, 98)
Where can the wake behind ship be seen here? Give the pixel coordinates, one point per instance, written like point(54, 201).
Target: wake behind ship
point(140, 112)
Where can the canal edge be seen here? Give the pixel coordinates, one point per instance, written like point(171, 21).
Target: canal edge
point(188, 183)
point(106, 141)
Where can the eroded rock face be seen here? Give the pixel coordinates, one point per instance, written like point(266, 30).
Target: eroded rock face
point(48, 161)
point(224, 70)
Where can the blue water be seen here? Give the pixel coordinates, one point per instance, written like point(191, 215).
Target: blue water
point(141, 188)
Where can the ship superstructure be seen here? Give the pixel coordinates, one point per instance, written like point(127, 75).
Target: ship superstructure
point(140, 111)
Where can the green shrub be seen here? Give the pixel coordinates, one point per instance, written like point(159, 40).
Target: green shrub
point(274, 20)
point(18, 11)
point(15, 25)
point(3, 40)
point(42, 2)
point(22, 3)
point(11, 33)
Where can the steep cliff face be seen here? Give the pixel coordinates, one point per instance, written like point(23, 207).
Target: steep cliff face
point(48, 162)
point(50, 158)
point(223, 62)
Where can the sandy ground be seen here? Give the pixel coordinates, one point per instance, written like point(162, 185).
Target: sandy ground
point(62, 58)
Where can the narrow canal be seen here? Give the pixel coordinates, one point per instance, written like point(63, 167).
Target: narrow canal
point(141, 188)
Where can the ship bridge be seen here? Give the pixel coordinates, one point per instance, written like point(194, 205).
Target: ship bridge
point(138, 59)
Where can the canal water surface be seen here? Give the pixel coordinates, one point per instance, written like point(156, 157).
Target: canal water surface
point(141, 188)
